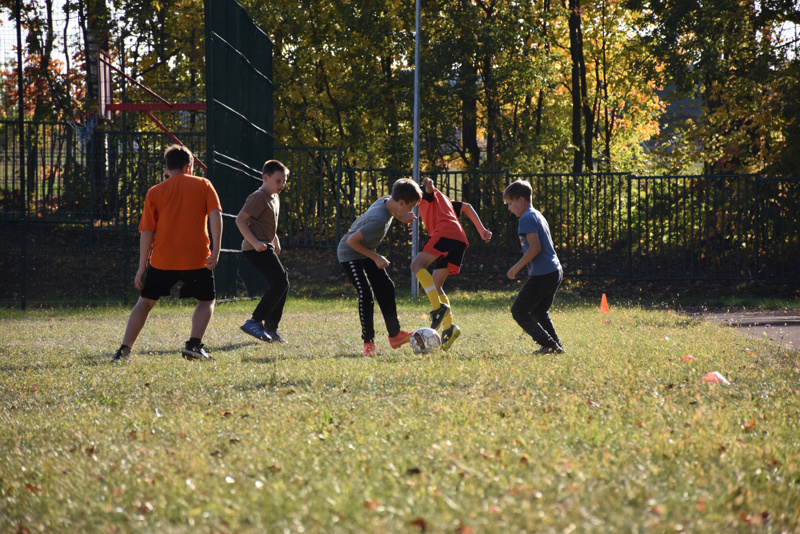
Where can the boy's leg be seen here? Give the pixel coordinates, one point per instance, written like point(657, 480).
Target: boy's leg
point(202, 317)
point(419, 268)
point(533, 292)
point(439, 276)
point(270, 309)
point(137, 320)
point(366, 303)
point(383, 287)
point(542, 311)
point(157, 283)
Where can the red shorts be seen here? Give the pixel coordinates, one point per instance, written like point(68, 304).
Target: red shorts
point(449, 253)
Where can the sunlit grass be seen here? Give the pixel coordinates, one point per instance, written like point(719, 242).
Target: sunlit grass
point(618, 434)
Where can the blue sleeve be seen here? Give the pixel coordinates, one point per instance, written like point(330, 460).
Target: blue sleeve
point(528, 224)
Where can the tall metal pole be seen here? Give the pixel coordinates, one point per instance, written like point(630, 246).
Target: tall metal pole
point(415, 224)
point(21, 127)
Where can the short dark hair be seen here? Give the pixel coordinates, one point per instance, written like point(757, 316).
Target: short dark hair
point(518, 189)
point(272, 166)
point(177, 157)
point(406, 190)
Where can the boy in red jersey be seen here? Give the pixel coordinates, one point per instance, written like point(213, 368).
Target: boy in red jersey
point(175, 243)
point(445, 250)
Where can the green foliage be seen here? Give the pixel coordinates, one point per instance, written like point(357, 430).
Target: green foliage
point(618, 434)
point(734, 55)
point(493, 85)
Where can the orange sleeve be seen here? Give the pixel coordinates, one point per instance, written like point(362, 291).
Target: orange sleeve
point(149, 215)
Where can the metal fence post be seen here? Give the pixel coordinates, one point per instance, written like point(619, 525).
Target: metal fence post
point(630, 223)
point(757, 229)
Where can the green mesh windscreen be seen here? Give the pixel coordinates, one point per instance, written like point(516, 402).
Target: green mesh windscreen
point(240, 138)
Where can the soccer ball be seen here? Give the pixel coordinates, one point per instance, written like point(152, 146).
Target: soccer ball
point(425, 340)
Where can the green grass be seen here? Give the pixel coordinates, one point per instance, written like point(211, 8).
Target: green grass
point(618, 434)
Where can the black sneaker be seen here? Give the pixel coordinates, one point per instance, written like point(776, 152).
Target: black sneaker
point(449, 336)
point(437, 316)
point(122, 354)
point(558, 349)
point(276, 338)
point(196, 352)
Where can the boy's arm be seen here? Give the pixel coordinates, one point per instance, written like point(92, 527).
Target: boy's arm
point(215, 220)
point(244, 228)
point(145, 244)
point(354, 241)
point(534, 247)
point(277, 244)
point(467, 208)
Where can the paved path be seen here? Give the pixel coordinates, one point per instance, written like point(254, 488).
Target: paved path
point(781, 326)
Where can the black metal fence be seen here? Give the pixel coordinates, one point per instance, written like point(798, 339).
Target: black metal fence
point(69, 217)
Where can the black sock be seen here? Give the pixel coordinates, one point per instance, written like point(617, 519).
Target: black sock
point(194, 341)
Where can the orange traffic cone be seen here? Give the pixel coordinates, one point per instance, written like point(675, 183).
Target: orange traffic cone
point(604, 304)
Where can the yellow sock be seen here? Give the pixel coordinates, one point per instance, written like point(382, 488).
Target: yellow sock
point(448, 318)
point(429, 287)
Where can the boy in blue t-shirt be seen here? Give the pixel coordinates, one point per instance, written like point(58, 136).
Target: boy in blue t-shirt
point(532, 305)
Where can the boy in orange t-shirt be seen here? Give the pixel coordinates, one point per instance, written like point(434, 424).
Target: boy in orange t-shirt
point(175, 240)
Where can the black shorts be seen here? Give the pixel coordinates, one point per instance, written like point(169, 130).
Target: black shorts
point(197, 283)
point(449, 252)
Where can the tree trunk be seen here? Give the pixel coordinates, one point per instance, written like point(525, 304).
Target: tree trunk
point(469, 114)
point(576, 53)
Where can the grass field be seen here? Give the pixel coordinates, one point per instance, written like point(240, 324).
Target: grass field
point(618, 434)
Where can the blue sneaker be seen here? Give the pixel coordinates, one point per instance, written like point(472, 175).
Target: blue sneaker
point(275, 336)
point(255, 329)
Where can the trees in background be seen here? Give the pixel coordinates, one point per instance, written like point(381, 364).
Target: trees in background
point(550, 86)
point(561, 86)
point(736, 56)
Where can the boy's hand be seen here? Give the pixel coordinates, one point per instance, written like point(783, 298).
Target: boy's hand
point(512, 273)
point(427, 183)
point(138, 281)
point(211, 261)
point(381, 262)
point(486, 235)
point(261, 246)
point(407, 217)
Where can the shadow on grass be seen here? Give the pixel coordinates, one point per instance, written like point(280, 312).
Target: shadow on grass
point(104, 358)
point(273, 359)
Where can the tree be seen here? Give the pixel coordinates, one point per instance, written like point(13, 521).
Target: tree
point(732, 54)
